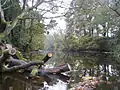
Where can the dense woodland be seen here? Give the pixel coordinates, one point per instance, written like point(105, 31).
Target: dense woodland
point(22, 33)
point(93, 35)
point(92, 26)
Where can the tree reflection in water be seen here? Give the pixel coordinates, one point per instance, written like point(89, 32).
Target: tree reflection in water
point(82, 64)
point(92, 64)
point(18, 82)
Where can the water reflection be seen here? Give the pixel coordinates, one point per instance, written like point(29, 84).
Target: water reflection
point(83, 64)
point(17, 82)
point(92, 64)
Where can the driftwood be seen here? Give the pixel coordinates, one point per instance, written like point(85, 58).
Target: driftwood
point(58, 69)
point(15, 64)
point(8, 64)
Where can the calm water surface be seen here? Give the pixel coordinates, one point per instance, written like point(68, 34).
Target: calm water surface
point(82, 64)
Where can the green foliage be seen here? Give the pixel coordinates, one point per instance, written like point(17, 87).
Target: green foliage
point(28, 38)
point(116, 53)
point(28, 34)
point(86, 16)
point(34, 71)
point(11, 9)
point(90, 43)
point(38, 36)
point(20, 56)
point(85, 61)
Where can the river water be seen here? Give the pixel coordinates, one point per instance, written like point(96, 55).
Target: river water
point(82, 64)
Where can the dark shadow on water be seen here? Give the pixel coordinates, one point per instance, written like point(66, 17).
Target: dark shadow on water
point(17, 82)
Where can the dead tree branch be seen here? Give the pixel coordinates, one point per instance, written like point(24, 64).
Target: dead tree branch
point(23, 66)
point(19, 64)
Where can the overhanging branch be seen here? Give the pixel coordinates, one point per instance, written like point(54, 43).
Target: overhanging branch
point(4, 3)
point(9, 27)
point(115, 10)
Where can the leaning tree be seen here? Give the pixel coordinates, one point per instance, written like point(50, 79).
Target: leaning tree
point(23, 17)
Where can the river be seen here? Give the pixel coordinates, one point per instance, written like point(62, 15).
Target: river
point(82, 64)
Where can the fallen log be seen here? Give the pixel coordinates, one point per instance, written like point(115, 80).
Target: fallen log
point(45, 71)
point(6, 52)
point(15, 64)
point(47, 57)
point(23, 66)
point(52, 74)
point(58, 69)
point(4, 57)
point(54, 78)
